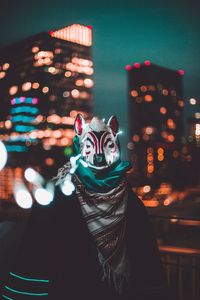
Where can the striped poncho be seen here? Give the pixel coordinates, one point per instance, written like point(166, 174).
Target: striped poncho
point(105, 214)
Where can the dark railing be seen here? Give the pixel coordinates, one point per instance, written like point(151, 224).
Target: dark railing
point(182, 266)
point(178, 240)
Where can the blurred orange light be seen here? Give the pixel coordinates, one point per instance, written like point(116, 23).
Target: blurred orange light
point(149, 130)
point(136, 138)
point(160, 157)
point(26, 86)
point(151, 203)
point(52, 70)
point(35, 85)
point(150, 157)
point(134, 93)
point(2, 75)
point(45, 89)
point(149, 150)
point(75, 93)
point(160, 151)
point(8, 124)
point(68, 74)
point(79, 82)
point(171, 124)
point(170, 138)
point(166, 202)
point(13, 90)
point(5, 66)
point(35, 49)
point(49, 161)
point(181, 103)
point(88, 82)
point(150, 168)
point(143, 88)
point(163, 110)
point(165, 92)
point(148, 98)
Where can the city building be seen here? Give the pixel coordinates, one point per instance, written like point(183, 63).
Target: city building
point(155, 124)
point(190, 153)
point(45, 80)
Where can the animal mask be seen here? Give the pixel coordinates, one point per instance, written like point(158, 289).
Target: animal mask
point(98, 141)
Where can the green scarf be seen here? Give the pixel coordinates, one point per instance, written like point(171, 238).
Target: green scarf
point(100, 181)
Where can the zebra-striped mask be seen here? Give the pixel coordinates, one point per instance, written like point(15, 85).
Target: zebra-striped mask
point(98, 141)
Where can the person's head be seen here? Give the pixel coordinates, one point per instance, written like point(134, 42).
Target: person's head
point(98, 141)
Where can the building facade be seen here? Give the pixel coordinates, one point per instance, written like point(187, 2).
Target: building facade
point(45, 80)
point(155, 124)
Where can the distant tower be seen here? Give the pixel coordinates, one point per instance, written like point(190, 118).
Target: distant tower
point(191, 152)
point(155, 122)
point(45, 80)
point(194, 129)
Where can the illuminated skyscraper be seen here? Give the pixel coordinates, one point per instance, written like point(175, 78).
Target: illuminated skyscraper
point(45, 80)
point(156, 123)
point(191, 152)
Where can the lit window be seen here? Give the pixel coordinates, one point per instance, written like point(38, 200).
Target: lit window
point(68, 74)
point(170, 138)
point(49, 161)
point(45, 89)
point(171, 124)
point(13, 90)
point(52, 70)
point(2, 75)
point(165, 92)
point(134, 93)
point(88, 82)
point(35, 49)
point(163, 110)
point(5, 66)
point(148, 98)
point(26, 86)
point(149, 130)
point(75, 93)
point(35, 85)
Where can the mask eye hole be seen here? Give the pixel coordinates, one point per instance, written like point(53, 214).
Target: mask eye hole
point(111, 145)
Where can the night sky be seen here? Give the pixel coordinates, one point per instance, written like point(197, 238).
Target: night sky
point(124, 32)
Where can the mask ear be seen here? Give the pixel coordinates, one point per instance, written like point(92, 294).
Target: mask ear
point(79, 124)
point(113, 124)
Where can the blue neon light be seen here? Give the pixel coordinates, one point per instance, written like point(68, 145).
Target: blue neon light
point(16, 148)
point(7, 297)
point(24, 128)
point(29, 279)
point(24, 109)
point(13, 139)
point(21, 118)
point(25, 293)
point(21, 100)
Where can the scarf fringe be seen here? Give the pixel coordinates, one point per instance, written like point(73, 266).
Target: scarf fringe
point(117, 280)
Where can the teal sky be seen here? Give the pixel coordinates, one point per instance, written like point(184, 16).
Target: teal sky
point(124, 32)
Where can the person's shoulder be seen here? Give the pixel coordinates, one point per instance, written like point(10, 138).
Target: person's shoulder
point(134, 202)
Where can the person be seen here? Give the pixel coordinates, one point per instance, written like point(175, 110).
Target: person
point(94, 241)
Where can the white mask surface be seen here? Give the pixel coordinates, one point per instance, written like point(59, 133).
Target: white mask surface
point(98, 141)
